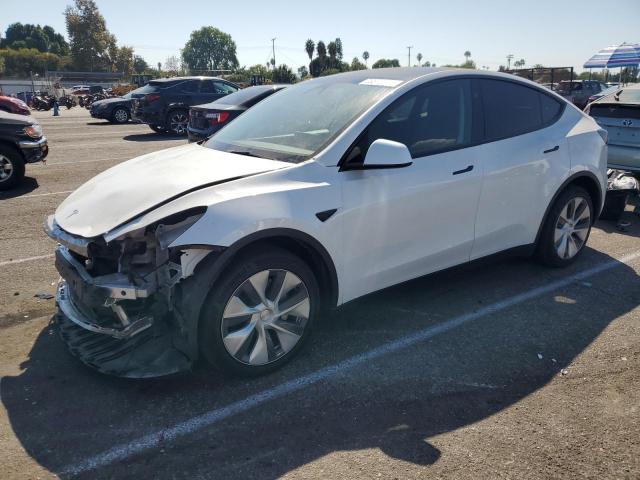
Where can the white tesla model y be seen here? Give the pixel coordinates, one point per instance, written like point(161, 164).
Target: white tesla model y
point(326, 191)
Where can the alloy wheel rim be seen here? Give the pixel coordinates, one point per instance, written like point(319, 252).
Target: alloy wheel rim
point(265, 317)
point(121, 115)
point(572, 228)
point(6, 168)
point(179, 123)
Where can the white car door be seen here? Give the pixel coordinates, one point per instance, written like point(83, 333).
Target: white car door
point(524, 161)
point(402, 223)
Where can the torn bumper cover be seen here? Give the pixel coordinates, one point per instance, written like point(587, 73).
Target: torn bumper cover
point(123, 324)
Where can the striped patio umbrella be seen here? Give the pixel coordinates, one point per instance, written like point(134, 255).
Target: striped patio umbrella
point(624, 55)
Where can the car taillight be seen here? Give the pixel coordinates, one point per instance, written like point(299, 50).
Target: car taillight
point(152, 97)
point(217, 118)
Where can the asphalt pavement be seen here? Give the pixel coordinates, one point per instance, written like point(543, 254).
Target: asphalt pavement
point(498, 369)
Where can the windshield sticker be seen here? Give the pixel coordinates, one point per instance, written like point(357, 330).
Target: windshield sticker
point(381, 82)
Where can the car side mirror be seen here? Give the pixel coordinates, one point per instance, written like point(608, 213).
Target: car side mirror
point(384, 154)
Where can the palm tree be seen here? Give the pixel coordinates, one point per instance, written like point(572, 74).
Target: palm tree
point(522, 62)
point(310, 47)
point(365, 57)
point(333, 50)
point(467, 55)
point(419, 57)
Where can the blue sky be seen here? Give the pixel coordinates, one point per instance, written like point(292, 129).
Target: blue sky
point(551, 32)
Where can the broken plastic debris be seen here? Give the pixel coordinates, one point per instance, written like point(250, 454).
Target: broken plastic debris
point(564, 371)
point(540, 356)
point(43, 296)
point(624, 359)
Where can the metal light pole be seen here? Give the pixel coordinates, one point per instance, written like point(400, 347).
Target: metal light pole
point(409, 56)
point(509, 57)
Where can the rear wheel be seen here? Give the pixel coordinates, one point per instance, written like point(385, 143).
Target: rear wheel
point(157, 128)
point(177, 121)
point(259, 314)
point(567, 227)
point(11, 168)
point(120, 115)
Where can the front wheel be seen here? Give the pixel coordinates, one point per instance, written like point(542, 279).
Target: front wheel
point(11, 168)
point(258, 315)
point(566, 228)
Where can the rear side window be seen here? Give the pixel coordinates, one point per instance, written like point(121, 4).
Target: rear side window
point(190, 86)
point(223, 88)
point(511, 109)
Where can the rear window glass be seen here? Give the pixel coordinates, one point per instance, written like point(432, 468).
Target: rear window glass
point(148, 88)
point(243, 96)
point(550, 108)
point(510, 109)
point(629, 95)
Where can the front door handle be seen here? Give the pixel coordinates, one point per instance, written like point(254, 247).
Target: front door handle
point(464, 170)
point(554, 149)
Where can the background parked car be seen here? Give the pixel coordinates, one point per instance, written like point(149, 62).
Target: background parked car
point(579, 91)
point(604, 93)
point(14, 105)
point(207, 119)
point(619, 114)
point(21, 142)
point(116, 109)
point(166, 102)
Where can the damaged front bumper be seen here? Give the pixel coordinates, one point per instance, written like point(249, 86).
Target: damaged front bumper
point(123, 324)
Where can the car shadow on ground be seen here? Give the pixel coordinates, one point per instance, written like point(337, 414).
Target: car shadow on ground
point(62, 412)
point(152, 137)
point(28, 185)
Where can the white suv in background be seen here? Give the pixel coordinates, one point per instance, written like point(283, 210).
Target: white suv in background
point(332, 189)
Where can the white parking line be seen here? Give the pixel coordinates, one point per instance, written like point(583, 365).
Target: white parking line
point(43, 194)
point(139, 445)
point(22, 260)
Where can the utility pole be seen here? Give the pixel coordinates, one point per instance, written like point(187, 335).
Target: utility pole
point(509, 57)
point(409, 56)
point(273, 48)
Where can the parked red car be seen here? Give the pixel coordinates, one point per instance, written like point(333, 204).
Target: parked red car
point(14, 105)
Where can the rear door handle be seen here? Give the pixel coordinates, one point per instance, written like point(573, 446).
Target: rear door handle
point(464, 170)
point(554, 149)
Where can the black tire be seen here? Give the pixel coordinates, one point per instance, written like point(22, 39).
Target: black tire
point(120, 115)
point(10, 156)
point(157, 128)
point(171, 125)
point(210, 334)
point(546, 251)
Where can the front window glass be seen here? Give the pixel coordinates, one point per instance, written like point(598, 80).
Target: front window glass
point(299, 121)
point(428, 120)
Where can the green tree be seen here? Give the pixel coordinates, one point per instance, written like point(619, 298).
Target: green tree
point(365, 56)
point(356, 64)
point(124, 60)
point(339, 53)
point(210, 49)
point(333, 51)
point(139, 64)
point(19, 62)
point(43, 39)
point(419, 58)
point(386, 63)
point(309, 46)
point(303, 72)
point(467, 55)
point(283, 74)
point(88, 35)
point(322, 49)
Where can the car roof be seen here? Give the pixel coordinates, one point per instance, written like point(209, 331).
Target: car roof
point(180, 79)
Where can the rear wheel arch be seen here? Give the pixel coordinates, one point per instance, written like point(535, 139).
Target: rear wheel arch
point(584, 179)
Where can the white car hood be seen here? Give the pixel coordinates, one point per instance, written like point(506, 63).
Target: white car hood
point(123, 192)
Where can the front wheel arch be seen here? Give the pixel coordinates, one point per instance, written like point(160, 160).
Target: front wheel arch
point(193, 291)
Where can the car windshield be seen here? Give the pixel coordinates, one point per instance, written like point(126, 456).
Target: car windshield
point(299, 121)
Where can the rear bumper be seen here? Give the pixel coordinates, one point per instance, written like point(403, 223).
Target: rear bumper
point(624, 158)
point(151, 117)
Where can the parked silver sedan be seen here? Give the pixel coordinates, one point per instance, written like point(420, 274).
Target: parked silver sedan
point(619, 114)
